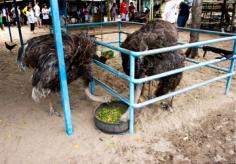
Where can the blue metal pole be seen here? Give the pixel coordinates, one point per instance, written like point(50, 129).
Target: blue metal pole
point(112, 91)
point(116, 48)
point(123, 32)
point(137, 23)
point(112, 70)
point(210, 65)
point(79, 25)
point(18, 23)
point(177, 47)
point(92, 87)
point(131, 94)
point(175, 71)
point(166, 49)
point(112, 42)
point(61, 63)
point(119, 35)
point(186, 89)
point(231, 70)
point(206, 31)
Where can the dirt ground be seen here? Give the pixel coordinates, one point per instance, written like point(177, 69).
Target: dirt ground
point(202, 129)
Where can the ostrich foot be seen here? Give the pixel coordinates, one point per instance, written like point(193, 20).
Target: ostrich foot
point(52, 111)
point(102, 99)
point(167, 106)
point(106, 99)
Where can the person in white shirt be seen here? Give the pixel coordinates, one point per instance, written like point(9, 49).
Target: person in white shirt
point(170, 12)
point(4, 16)
point(31, 19)
point(45, 13)
point(37, 15)
point(95, 10)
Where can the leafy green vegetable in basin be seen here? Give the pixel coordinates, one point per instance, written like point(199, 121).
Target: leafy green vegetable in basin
point(110, 114)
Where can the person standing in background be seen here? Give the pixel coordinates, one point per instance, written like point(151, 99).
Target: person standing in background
point(131, 11)
point(24, 16)
point(45, 13)
point(1, 21)
point(113, 12)
point(162, 7)
point(14, 14)
point(123, 10)
point(95, 10)
point(86, 13)
point(37, 15)
point(4, 16)
point(184, 11)
point(31, 19)
point(170, 13)
point(25, 10)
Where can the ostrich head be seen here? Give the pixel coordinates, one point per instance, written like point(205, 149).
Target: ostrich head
point(102, 58)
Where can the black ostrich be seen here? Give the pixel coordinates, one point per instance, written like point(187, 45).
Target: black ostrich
point(39, 53)
point(154, 35)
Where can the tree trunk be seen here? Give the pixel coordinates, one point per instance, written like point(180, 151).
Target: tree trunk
point(222, 19)
point(196, 23)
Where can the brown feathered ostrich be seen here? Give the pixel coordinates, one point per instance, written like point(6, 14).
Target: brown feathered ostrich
point(154, 35)
point(39, 53)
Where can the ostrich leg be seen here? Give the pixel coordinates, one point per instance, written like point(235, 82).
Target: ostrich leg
point(137, 93)
point(87, 77)
point(166, 85)
point(168, 104)
point(102, 99)
point(52, 108)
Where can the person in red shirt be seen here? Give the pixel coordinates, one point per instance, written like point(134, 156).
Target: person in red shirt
point(123, 10)
point(131, 11)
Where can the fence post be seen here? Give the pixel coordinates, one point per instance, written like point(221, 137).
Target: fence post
point(92, 87)
point(231, 69)
point(119, 35)
point(131, 94)
point(61, 66)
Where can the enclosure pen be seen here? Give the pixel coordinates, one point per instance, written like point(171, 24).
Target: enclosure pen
point(132, 81)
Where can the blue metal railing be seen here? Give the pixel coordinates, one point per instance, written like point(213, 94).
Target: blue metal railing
point(207, 31)
point(132, 81)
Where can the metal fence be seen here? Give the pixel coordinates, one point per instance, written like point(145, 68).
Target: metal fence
point(228, 72)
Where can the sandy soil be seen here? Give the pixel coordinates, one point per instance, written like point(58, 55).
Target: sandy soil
point(200, 130)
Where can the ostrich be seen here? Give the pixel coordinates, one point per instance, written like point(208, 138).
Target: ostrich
point(39, 53)
point(154, 35)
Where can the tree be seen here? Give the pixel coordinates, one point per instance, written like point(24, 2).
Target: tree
point(196, 23)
